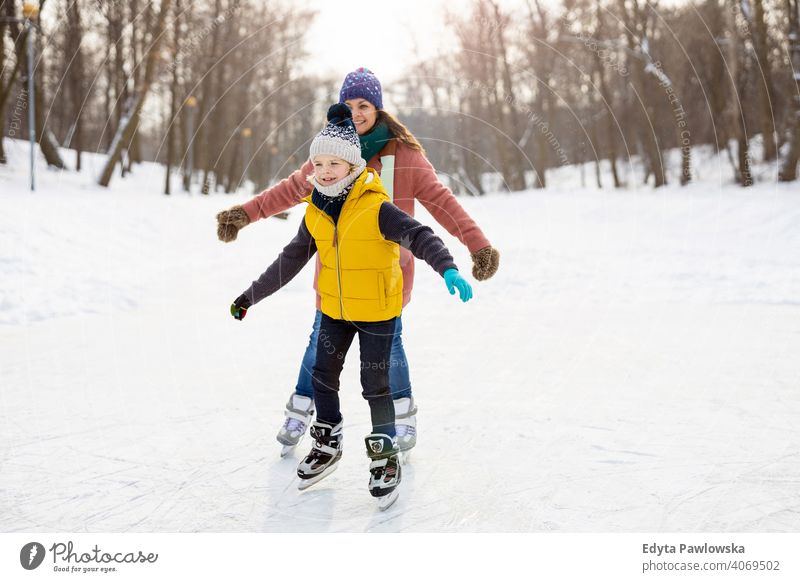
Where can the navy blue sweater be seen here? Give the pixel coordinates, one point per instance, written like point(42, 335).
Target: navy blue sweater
point(395, 225)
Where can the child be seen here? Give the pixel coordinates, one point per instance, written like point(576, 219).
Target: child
point(357, 232)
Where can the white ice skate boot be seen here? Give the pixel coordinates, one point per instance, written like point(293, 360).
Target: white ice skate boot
point(405, 415)
point(299, 412)
point(384, 470)
point(324, 456)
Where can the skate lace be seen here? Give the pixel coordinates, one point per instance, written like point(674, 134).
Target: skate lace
point(405, 430)
point(292, 424)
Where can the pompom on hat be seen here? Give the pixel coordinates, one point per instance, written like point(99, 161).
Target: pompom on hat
point(364, 84)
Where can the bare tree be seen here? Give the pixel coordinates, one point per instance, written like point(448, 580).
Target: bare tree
point(637, 27)
point(210, 91)
point(533, 85)
point(175, 90)
point(140, 20)
point(75, 81)
point(541, 61)
point(5, 86)
point(764, 83)
point(515, 166)
point(19, 35)
point(607, 98)
point(788, 171)
point(128, 123)
point(739, 70)
point(476, 97)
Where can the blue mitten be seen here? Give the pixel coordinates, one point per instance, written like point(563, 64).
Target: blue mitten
point(454, 281)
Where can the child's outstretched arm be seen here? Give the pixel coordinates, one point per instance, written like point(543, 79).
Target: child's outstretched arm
point(291, 261)
point(399, 227)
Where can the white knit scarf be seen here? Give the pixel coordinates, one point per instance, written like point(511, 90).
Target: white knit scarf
point(335, 189)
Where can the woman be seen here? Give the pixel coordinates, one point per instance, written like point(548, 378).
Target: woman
point(397, 156)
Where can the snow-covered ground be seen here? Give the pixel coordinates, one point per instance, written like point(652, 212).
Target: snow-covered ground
point(633, 366)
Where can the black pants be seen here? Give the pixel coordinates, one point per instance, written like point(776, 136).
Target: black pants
point(375, 340)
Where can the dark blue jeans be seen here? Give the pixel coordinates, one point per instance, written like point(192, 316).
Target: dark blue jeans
point(399, 380)
point(375, 341)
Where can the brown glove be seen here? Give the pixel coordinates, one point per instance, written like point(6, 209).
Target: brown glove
point(230, 221)
point(485, 263)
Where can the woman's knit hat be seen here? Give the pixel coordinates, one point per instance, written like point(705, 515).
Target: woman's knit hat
point(362, 83)
point(339, 137)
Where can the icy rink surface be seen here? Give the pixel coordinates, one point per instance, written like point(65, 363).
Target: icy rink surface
point(632, 367)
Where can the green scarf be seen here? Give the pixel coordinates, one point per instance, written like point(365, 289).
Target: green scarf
point(374, 140)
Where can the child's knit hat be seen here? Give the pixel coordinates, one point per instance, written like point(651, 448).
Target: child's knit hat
point(364, 84)
point(339, 137)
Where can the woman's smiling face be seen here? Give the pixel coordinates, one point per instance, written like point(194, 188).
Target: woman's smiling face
point(330, 169)
point(364, 114)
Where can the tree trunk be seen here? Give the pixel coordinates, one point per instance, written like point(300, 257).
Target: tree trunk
point(635, 25)
point(760, 42)
point(469, 171)
point(75, 80)
point(516, 177)
point(235, 164)
point(542, 155)
point(738, 68)
point(45, 138)
point(597, 176)
point(107, 98)
point(2, 86)
point(538, 61)
point(47, 141)
point(120, 82)
point(607, 98)
point(133, 148)
point(716, 82)
point(208, 113)
point(788, 171)
point(173, 108)
point(187, 142)
point(126, 129)
point(8, 9)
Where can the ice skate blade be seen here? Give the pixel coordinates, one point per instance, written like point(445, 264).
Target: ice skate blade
point(306, 483)
point(286, 449)
point(386, 501)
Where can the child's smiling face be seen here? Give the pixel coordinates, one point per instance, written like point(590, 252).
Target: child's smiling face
point(330, 169)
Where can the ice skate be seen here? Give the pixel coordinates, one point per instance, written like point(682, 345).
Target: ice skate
point(324, 456)
point(405, 414)
point(299, 412)
point(384, 469)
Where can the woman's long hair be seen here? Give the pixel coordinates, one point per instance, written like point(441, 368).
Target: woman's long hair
point(399, 131)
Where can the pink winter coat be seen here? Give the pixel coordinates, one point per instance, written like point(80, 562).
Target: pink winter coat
point(414, 179)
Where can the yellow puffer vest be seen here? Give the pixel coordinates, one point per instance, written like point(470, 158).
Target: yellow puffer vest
point(360, 277)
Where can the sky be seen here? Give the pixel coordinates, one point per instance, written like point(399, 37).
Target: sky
point(382, 36)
